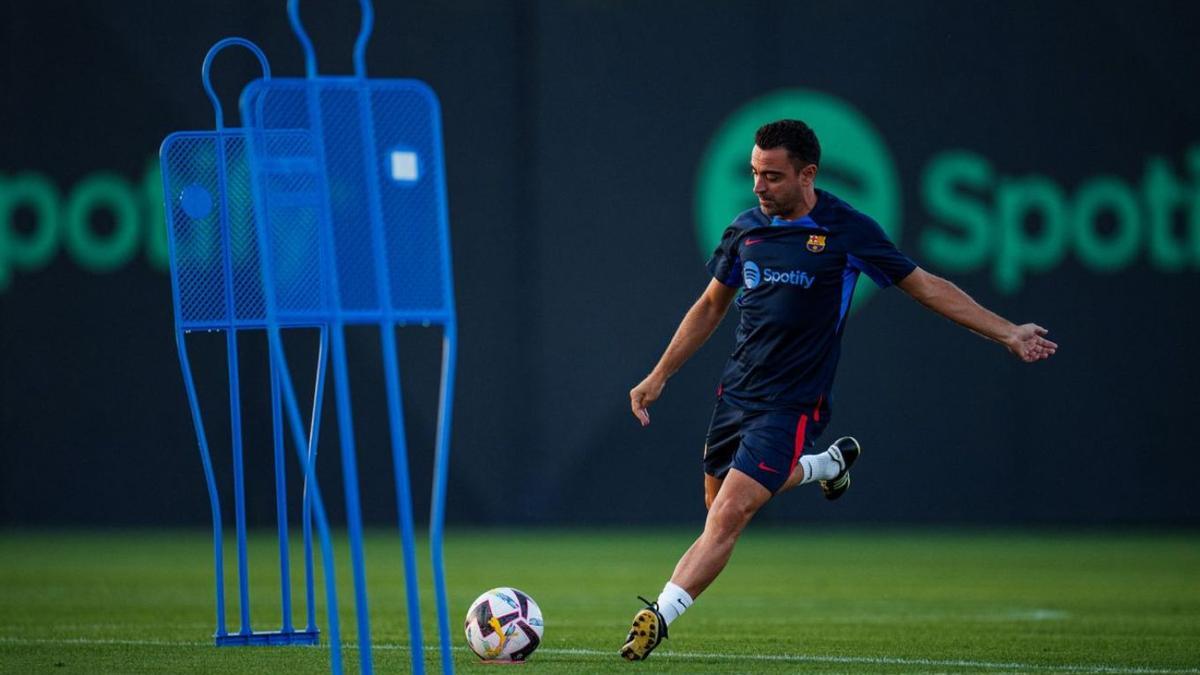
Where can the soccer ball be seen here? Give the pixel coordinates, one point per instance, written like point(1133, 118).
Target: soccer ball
point(504, 624)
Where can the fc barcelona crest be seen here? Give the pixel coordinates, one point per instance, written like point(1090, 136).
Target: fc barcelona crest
point(816, 243)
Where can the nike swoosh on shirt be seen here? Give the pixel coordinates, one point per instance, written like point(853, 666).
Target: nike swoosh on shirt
point(751, 242)
point(764, 467)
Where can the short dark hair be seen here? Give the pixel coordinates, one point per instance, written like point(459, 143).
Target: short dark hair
point(798, 138)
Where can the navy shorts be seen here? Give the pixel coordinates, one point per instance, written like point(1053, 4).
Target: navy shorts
point(763, 444)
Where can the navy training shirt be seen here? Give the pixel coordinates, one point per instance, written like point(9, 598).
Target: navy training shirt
point(797, 279)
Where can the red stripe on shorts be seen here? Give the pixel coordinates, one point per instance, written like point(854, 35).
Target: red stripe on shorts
point(817, 410)
point(796, 452)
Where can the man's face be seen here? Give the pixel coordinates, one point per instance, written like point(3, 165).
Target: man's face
point(777, 184)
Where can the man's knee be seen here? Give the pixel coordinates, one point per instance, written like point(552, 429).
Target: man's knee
point(730, 516)
point(740, 498)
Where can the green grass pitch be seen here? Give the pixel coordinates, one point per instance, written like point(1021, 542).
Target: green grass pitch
point(885, 601)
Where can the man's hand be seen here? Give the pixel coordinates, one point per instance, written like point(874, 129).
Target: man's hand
point(1026, 343)
point(643, 395)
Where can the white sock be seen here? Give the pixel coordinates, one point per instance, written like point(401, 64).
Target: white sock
point(672, 602)
point(820, 467)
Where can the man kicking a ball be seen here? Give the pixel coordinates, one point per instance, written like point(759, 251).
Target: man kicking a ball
point(796, 259)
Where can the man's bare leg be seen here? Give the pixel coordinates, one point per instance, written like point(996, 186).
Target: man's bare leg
point(796, 478)
point(737, 499)
point(732, 503)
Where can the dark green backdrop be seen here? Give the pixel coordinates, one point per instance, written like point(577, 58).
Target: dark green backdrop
point(1044, 155)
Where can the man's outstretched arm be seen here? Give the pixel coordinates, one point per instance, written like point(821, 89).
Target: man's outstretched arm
point(1026, 341)
point(697, 325)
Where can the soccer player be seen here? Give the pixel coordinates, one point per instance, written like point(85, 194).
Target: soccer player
point(795, 260)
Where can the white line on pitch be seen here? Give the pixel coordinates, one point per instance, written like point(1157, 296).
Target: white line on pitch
point(101, 641)
point(888, 661)
point(694, 656)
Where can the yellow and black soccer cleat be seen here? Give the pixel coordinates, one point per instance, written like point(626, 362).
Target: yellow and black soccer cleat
point(649, 628)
